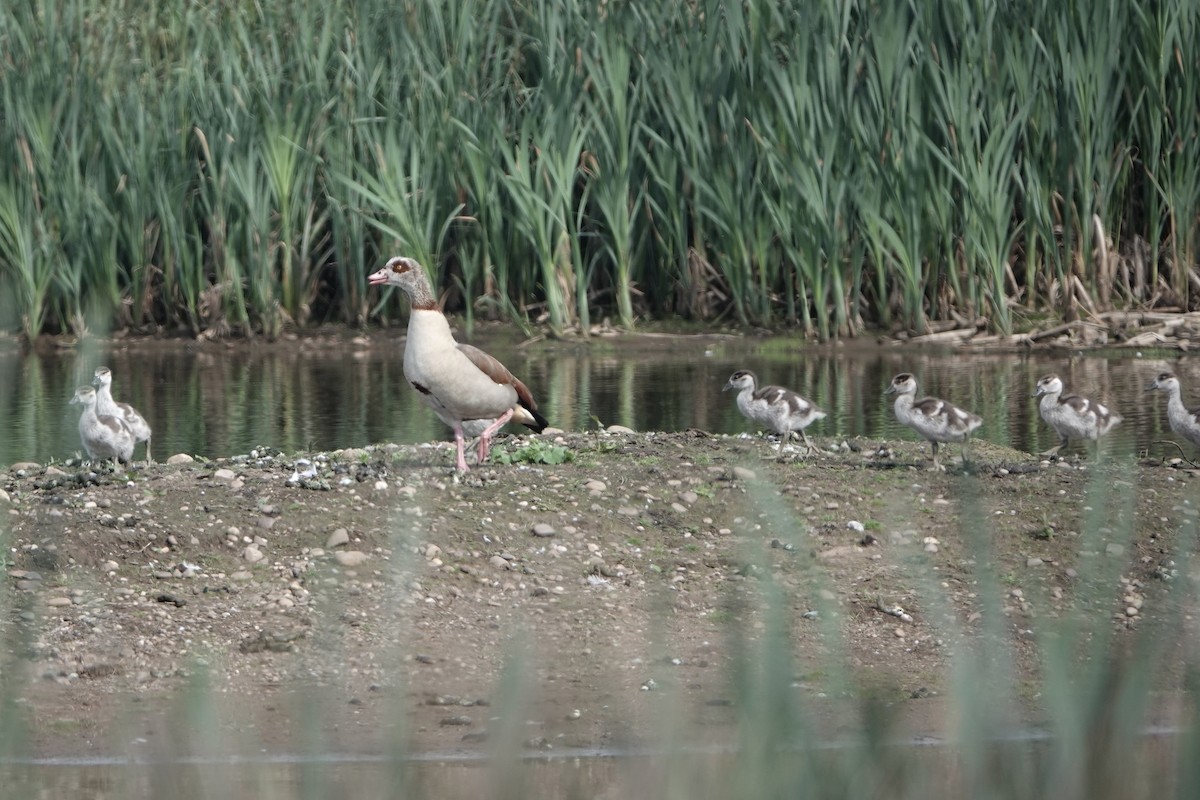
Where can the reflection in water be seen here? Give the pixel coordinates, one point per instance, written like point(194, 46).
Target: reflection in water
point(218, 401)
point(931, 768)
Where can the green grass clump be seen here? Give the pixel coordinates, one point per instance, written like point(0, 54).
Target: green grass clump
point(534, 452)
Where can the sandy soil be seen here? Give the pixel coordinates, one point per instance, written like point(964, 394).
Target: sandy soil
point(242, 606)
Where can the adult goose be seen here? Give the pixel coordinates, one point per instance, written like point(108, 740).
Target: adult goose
point(1071, 416)
point(778, 409)
point(465, 387)
point(936, 420)
point(106, 406)
point(1184, 421)
point(104, 436)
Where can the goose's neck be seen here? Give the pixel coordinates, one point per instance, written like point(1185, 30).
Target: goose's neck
point(420, 295)
point(1175, 400)
point(428, 322)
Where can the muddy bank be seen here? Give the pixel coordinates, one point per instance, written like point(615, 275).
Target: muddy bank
point(365, 594)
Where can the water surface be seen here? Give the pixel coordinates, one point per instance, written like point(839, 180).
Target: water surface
point(219, 400)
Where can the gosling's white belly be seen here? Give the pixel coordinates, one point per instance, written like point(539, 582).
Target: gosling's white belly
point(1066, 422)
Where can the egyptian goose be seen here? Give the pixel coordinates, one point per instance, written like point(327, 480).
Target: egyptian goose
point(104, 436)
point(1071, 415)
point(463, 385)
point(780, 410)
point(105, 405)
point(936, 420)
point(1183, 421)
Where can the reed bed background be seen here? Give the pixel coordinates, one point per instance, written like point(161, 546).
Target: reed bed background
point(229, 166)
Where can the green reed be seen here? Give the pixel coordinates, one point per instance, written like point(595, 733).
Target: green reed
point(833, 166)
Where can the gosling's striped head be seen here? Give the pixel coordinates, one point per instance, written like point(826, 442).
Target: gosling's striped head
point(102, 377)
point(1048, 384)
point(84, 396)
point(742, 379)
point(1165, 382)
point(904, 383)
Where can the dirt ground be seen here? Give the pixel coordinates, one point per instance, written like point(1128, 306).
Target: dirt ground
point(351, 600)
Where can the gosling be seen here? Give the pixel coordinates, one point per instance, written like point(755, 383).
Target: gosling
point(936, 420)
point(780, 410)
point(122, 411)
point(1184, 421)
point(1072, 416)
point(104, 436)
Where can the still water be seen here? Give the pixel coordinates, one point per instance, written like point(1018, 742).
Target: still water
point(219, 400)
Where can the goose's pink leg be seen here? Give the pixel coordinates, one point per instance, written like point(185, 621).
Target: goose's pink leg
point(458, 440)
point(485, 438)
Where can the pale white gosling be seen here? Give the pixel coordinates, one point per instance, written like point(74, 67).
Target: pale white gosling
point(104, 436)
point(1072, 416)
point(1184, 421)
point(778, 409)
point(935, 420)
point(105, 405)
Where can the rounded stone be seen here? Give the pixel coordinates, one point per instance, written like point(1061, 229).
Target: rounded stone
point(350, 558)
point(338, 538)
point(543, 529)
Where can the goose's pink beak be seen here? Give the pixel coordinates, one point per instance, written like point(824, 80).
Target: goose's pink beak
point(378, 278)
